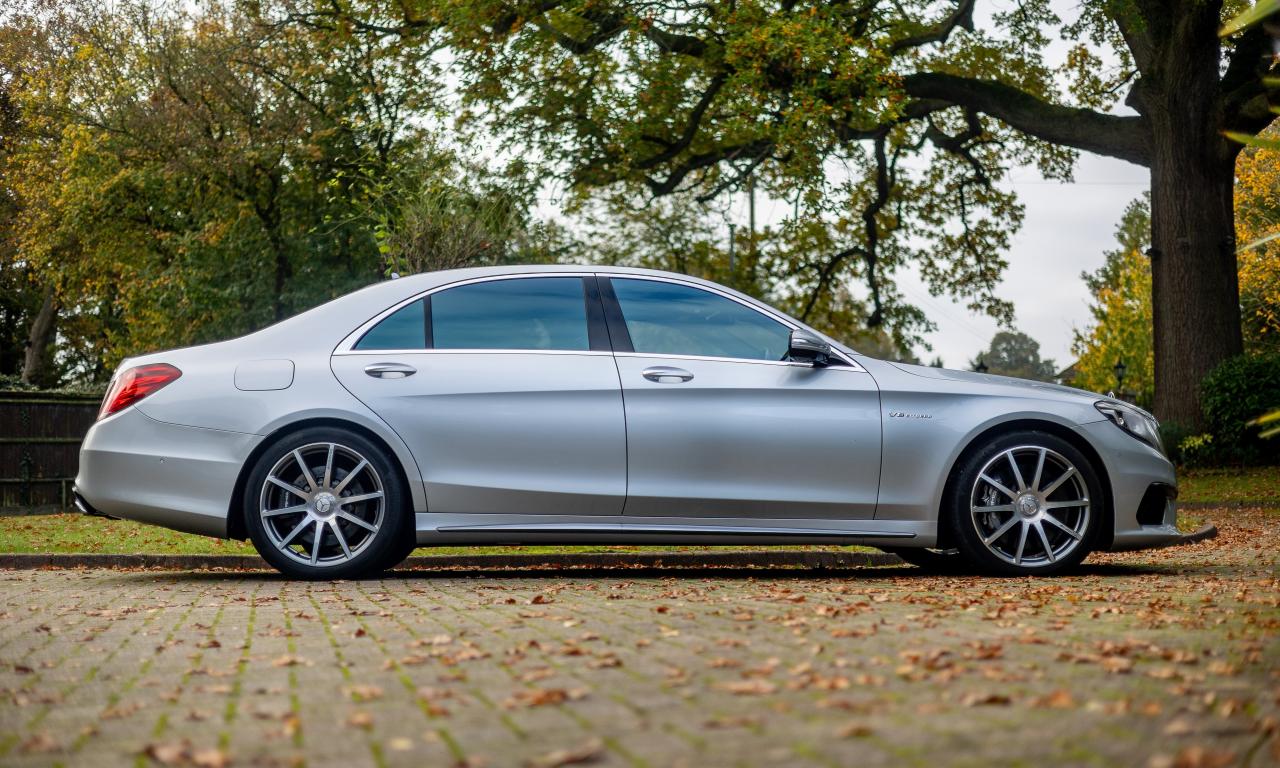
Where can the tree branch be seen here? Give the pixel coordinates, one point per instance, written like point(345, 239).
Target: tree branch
point(1122, 137)
point(961, 17)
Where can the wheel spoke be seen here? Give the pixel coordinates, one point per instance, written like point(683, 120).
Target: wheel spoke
point(344, 501)
point(1002, 530)
point(998, 486)
point(350, 476)
point(1035, 482)
point(1017, 473)
point(328, 467)
point(315, 545)
point(1058, 483)
point(1064, 504)
point(996, 508)
point(1022, 544)
point(284, 510)
point(1044, 538)
point(342, 540)
point(1067, 529)
point(306, 471)
point(290, 487)
point(284, 543)
point(345, 515)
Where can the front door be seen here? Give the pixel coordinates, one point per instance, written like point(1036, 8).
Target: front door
point(721, 425)
point(506, 393)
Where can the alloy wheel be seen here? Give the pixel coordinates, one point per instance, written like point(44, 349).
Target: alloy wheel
point(1030, 506)
point(322, 504)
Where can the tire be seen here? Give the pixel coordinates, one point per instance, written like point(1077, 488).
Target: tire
point(408, 543)
point(1025, 503)
point(942, 561)
point(286, 510)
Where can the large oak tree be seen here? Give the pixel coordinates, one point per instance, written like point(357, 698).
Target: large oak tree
point(891, 121)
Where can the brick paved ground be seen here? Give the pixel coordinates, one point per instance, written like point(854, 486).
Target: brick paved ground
point(1157, 658)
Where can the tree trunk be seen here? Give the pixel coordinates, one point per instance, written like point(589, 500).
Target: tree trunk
point(1194, 284)
point(37, 368)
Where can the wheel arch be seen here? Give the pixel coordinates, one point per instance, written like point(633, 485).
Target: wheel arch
point(1107, 531)
point(235, 517)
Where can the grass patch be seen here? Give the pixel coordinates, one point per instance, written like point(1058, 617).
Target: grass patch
point(1229, 485)
point(76, 533)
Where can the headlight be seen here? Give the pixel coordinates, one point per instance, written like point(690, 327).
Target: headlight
point(1135, 421)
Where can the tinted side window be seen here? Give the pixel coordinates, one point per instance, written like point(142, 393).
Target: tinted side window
point(671, 319)
point(524, 313)
point(405, 329)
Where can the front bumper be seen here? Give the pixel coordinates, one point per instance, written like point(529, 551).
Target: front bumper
point(138, 468)
point(1137, 471)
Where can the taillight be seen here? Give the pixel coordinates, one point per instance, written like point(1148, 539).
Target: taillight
point(136, 383)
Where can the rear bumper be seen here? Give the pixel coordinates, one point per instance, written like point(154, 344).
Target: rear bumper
point(137, 468)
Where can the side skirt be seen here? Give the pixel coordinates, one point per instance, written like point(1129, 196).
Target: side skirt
point(557, 529)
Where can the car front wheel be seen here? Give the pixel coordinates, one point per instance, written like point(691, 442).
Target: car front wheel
point(1027, 503)
point(326, 504)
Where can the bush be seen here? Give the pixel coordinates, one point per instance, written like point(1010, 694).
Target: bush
point(1236, 392)
point(1198, 451)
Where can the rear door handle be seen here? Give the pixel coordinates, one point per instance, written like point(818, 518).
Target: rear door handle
point(665, 374)
point(390, 370)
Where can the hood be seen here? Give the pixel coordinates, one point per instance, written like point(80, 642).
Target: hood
point(1025, 386)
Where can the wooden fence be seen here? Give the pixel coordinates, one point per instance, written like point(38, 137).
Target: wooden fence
point(40, 435)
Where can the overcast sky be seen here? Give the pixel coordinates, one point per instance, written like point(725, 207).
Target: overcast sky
point(1066, 231)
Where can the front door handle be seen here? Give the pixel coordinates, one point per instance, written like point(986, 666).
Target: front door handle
point(665, 374)
point(390, 370)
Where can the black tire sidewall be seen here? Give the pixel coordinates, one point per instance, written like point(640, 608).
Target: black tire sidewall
point(388, 541)
point(959, 522)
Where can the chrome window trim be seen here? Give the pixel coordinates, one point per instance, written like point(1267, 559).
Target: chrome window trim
point(346, 346)
point(761, 310)
point(742, 360)
point(376, 352)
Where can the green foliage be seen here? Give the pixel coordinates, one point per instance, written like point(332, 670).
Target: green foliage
point(185, 175)
point(1198, 451)
point(1122, 315)
point(1016, 354)
point(1236, 394)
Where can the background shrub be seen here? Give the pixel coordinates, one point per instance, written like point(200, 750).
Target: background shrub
point(1238, 391)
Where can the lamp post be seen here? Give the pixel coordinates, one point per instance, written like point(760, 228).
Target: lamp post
point(981, 367)
point(1120, 369)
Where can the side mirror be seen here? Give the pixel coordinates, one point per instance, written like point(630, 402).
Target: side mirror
point(807, 348)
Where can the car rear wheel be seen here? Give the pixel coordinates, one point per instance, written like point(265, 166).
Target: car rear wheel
point(326, 503)
point(1026, 503)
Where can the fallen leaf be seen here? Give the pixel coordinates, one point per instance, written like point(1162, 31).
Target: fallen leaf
point(985, 699)
point(364, 692)
point(748, 687)
point(587, 752)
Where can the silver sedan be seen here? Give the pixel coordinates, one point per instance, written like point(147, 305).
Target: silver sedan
point(573, 405)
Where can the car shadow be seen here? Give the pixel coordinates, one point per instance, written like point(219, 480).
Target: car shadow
point(854, 574)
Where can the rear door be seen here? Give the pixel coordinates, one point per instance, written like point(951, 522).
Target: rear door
point(721, 425)
point(505, 391)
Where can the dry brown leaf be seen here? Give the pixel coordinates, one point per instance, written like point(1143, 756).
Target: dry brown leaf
point(854, 731)
point(40, 742)
point(170, 752)
point(755, 687)
point(210, 758)
point(360, 719)
point(1059, 699)
point(587, 752)
point(364, 692)
point(985, 700)
point(290, 660)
